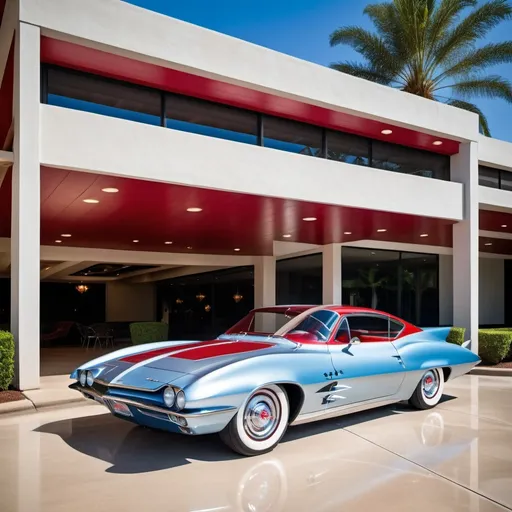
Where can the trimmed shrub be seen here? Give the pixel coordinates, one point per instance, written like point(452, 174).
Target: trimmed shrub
point(148, 332)
point(493, 345)
point(456, 335)
point(6, 359)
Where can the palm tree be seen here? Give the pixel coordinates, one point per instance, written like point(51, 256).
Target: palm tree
point(368, 278)
point(429, 48)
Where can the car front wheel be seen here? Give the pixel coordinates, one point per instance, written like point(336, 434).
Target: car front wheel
point(429, 390)
point(260, 423)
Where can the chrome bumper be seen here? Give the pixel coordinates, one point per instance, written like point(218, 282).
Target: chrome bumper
point(196, 423)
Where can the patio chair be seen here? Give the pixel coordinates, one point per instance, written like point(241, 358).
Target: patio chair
point(104, 335)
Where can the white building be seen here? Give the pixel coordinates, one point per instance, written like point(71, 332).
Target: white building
point(106, 95)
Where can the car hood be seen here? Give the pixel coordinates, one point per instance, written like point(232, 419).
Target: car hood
point(151, 368)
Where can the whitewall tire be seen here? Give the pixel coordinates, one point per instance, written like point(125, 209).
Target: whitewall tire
point(260, 423)
point(429, 390)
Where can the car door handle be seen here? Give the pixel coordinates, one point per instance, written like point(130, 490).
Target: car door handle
point(400, 360)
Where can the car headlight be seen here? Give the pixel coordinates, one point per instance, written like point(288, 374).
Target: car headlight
point(180, 400)
point(90, 378)
point(169, 396)
point(83, 378)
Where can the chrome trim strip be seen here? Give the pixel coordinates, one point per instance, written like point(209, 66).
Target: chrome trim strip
point(155, 408)
point(340, 411)
point(134, 388)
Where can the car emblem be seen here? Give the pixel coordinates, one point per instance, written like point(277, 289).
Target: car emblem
point(154, 380)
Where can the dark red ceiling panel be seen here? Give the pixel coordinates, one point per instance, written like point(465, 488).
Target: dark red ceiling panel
point(155, 213)
point(82, 58)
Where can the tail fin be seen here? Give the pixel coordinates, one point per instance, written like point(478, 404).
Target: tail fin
point(435, 333)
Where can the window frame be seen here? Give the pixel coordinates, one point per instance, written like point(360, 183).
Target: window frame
point(380, 316)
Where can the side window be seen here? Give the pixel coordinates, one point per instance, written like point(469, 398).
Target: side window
point(395, 328)
point(343, 334)
point(369, 327)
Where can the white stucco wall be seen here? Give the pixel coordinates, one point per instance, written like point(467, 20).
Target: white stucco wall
point(492, 291)
point(127, 302)
point(172, 156)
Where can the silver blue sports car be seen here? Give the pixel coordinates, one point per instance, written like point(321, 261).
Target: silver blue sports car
point(278, 366)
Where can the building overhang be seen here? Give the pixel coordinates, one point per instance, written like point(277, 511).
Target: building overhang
point(118, 39)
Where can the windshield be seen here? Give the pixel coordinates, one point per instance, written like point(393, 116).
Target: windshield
point(262, 322)
point(314, 326)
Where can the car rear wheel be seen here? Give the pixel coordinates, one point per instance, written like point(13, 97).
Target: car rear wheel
point(429, 390)
point(260, 423)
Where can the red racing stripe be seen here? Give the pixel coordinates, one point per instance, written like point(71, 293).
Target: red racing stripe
point(149, 354)
point(200, 352)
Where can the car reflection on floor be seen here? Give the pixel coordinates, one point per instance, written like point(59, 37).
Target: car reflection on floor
point(308, 470)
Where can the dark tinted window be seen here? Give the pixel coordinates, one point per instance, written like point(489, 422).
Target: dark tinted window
point(363, 326)
point(347, 148)
point(211, 119)
point(343, 334)
point(292, 136)
point(488, 177)
point(395, 328)
point(101, 96)
point(393, 157)
point(506, 180)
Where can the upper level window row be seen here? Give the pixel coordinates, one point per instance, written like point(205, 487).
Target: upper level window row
point(494, 178)
point(92, 93)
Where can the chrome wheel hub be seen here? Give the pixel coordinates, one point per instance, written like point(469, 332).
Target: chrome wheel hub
point(261, 417)
point(430, 384)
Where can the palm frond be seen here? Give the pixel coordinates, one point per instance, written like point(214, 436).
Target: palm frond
point(475, 26)
point(492, 86)
point(387, 22)
point(363, 71)
point(444, 16)
point(471, 107)
point(477, 60)
point(368, 45)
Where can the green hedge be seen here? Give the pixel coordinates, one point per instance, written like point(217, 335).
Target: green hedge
point(6, 359)
point(494, 344)
point(456, 335)
point(148, 332)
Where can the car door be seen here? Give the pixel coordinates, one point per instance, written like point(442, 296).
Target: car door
point(366, 364)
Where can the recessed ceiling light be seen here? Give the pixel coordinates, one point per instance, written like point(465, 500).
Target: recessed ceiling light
point(189, 247)
point(287, 236)
point(382, 230)
point(91, 201)
point(488, 243)
point(110, 190)
point(168, 243)
point(58, 241)
point(347, 233)
point(66, 235)
point(386, 132)
point(135, 241)
point(504, 226)
point(437, 142)
point(423, 235)
point(309, 219)
point(372, 253)
point(236, 249)
point(194, 209)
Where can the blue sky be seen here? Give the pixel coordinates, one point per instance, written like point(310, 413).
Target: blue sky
point(301, 28)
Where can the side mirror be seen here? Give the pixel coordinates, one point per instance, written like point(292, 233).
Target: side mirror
point(355, 341)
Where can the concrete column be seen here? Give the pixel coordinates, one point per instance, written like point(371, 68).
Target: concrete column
point(265, 291)
point(331, 274)
point(25, 222)
point(265, 282)
point(445, 289)
point(464, 169)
